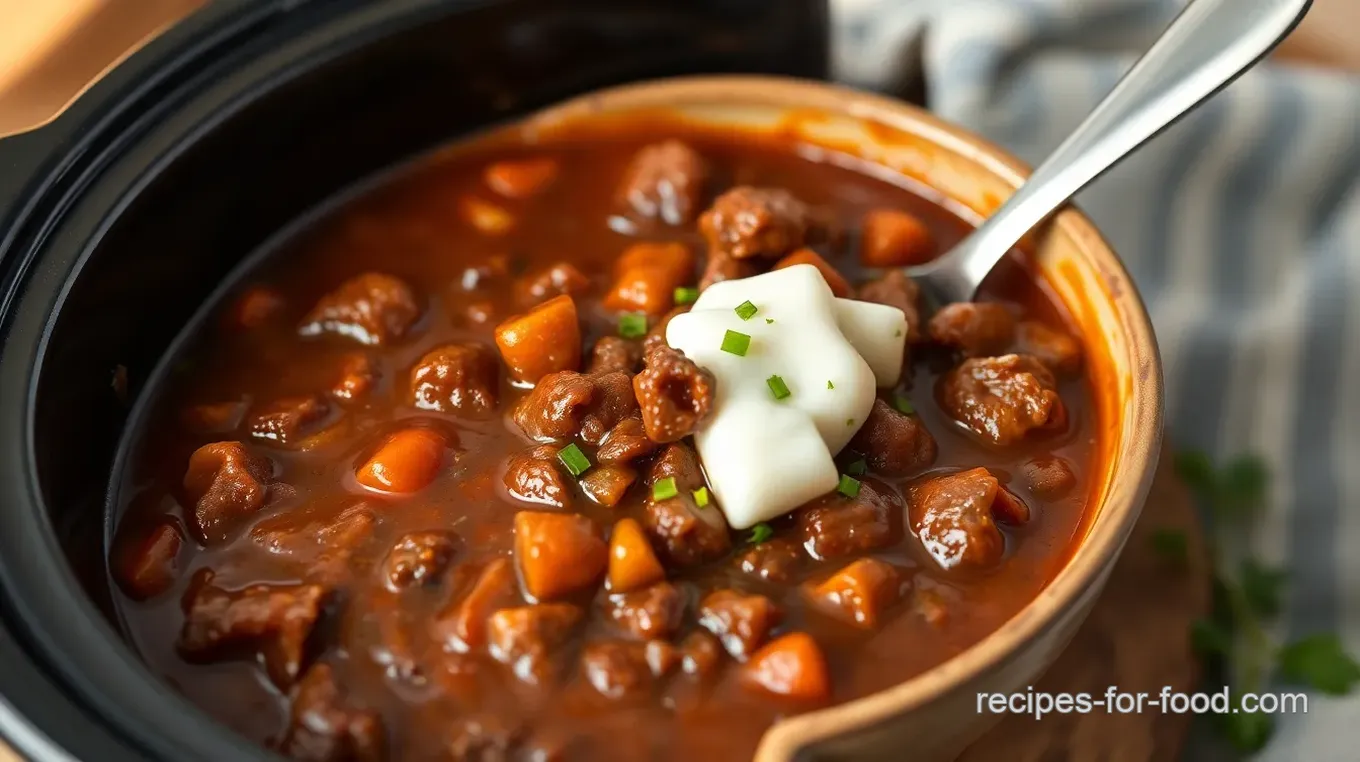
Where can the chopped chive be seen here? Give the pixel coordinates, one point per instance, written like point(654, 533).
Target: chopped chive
point(857, 468)
point(849, 486)
point(778, 388)
point(769, 320)
point(686, 295)
point(897, 333)
point(760, 533)
point(830, 385)
point(575, 460)
point(736, 343)
point(665, 489)
point(633, 325)
point(903, 404)
point(746, 310)
point(701, 497)
point(849, 421)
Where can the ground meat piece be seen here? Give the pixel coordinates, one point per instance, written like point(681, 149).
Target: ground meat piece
point(561, 278)
point(456, 378)
point(358, 375)
point(625, 442)
point(675, 395)
point(657, 335)
point(613, 353)
point(835, 525)
point(535, 476)
point(316, 531)
point(857, 594)
point(1002, 399)
point(461, 626)
point(684, 533)
point(418, 558)
point(225, 483)
point(372, 308)
point(146, 562)
point(214, 417)
point(893, 238)
point(955, 516)
point(486, 738)
point(977, 328)
point(664, 181)
point(1059, 351)
point(893, 443)
point(616, 669)
point(324, 728)
point(526, 638)
point(755, 222)
point(776, 561)
point(700, 654)
point(895, 289)
point(720, 267)
point(656, 611)
point(607, 484)
point(1049, 477)
point(291, 419)
point(567, 403)
point(741, 622)
point(275, 620)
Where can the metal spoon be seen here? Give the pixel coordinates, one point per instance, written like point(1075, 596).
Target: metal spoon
point(1207, 46)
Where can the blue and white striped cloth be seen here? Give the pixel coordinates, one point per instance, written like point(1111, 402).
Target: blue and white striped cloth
point(1241, 226)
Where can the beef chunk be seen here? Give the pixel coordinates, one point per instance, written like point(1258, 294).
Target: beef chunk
point(857, 594)
point(675, 395)
point(700, 654)
point(607, 484)
point(456, 378)
point(526, 638)
point(665, 181)
point(720, 267)
point(316, 531)
point(976, 328)
point(323, 727)
point(558, 553)
point(1058, 350)
point(955, 517)
point(1049, 477)
point(835, 525)
point(895, 289)
point(358, 375)
point(893, 238)
point(521, 178)
point(755, 222)
point(486, 738)
point(275, 620)
point(214, 417)
point(677, 461)
point(567, 403)
point(146, 561)
point(256, 307)
point(1002, 399)
point(225, 483)
point(461, 626)
point(535, 476)
point(684, 533)
point(741, 622)
point(657, 335)
point(561, 278)
point(776, 561)
point(616, 669)
point(613, 353)
point(289, 420)
point(656, 611)
point(662, 657)
point(418, 558)
point(372, 308)
point(625, 442)
point(893, 443)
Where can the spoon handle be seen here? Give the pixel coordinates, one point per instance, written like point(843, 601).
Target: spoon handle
point(1207, 46)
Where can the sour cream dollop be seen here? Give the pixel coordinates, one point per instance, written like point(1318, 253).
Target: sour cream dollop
point(765, 456)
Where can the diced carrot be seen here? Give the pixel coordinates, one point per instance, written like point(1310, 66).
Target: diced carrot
point(858, 593)
point(648, 274)
point(839, 286)
point(146, 564)
point(486, 216)
point(521, 178)
point(544, 340)
point(407, 462)
point(464, 627)
point(894, 239)
point(791, 666)
point(632, 562)
point(557, 553)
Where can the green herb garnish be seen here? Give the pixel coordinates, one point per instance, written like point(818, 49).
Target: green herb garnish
point(633, 325)
point(665, 489)
point(830, 385)
point(575, 460)
point(736, 343)
point(686, 295)
point(849, 486)
point(857, 468)
point(746, 310)
point(904, 405)
point(701, 497)
point(760, 533)
point(849, 421)
point(768, 321)
point(778, 388)
point(1321, 663)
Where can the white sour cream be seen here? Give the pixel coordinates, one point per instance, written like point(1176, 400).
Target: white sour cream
point(766, 456)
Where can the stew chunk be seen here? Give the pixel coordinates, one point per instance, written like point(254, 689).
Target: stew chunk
point(652, 612)
point(226, 483)
point(836, 525)
point(544, 340)
point(976, 328)
point(686, 535)
point(741, 622)
point(372, 308)
point(557, 553)
point(755, 222)
point(955, 518)
point(857, 594)
point(675, 394)
point(792, 666)
point(1002, 399)
point(895, 289)
point(147, 564)
point(535, 476)
point(456, 377)
point(893, 443)
point(526, 637)
point(568, 404)
point(665, 182)
point(325, 728)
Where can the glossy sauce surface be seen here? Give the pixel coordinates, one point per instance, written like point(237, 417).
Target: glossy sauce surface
point(377, 640)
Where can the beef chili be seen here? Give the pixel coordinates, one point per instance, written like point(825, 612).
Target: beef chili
point(426, 488)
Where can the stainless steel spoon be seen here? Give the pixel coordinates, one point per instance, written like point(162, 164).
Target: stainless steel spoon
point(1207, 46)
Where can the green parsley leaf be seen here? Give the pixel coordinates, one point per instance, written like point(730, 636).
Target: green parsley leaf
point(686, 295)
point(760, 533)
point(1320, 662)
point(633, 325)
point(769, 321)
point(736, 343)
point(857, 468)
point(1171, 545)
point(1262, 587)
point(746, 310)
point(664, 489)
point(575, 460)
point(778, 388)
point(830, 385)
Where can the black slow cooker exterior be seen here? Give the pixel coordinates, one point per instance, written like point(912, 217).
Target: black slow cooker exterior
point(119, 219)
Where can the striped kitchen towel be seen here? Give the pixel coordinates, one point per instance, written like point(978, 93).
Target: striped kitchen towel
point(1241, 226)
